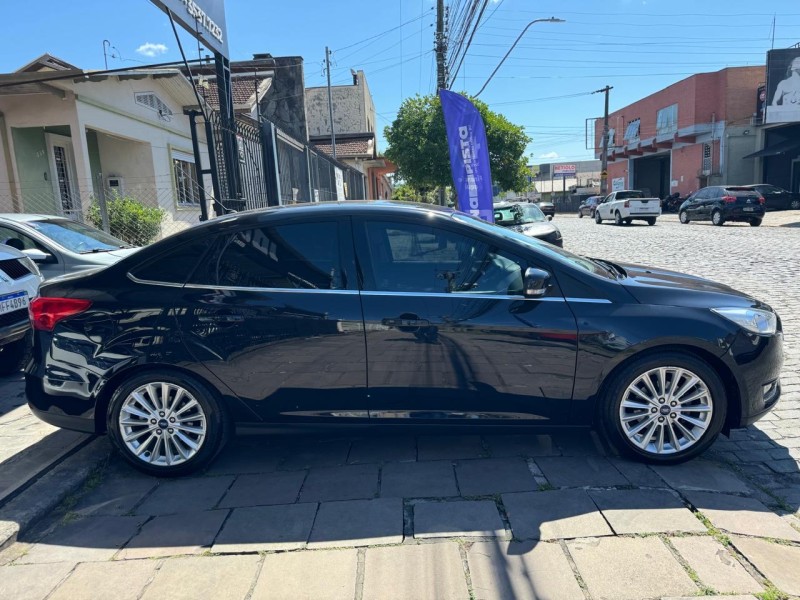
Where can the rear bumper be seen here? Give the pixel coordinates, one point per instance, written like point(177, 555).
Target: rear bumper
point(739, 214)
point(68, 411)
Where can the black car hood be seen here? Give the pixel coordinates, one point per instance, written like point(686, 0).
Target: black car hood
point(651, 285)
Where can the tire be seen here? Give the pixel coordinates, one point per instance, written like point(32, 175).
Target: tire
point(617, 219)
point(627, 221)
point(580, 214)
point(678, 446)
point(684, 217)
point(199, 407)
point(755, 222)
point(597, 218)
point(716, 218)
point(14, 355)
point(794, 205)
point(651, 221)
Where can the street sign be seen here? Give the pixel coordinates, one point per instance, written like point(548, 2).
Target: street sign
point(204, 19)
point(604, 175)
point(564, 169)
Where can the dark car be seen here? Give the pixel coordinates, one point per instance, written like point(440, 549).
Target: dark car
point(587, 206)
point(386, 314)
point(528, 220)
point(719, 204)
point(548, 208)
point(776, 198)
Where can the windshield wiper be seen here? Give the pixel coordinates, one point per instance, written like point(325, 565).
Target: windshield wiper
point(612, 268)
point(96, 250)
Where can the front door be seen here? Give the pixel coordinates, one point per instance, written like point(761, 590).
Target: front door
point(450, 337)
point(274, 313)
point(62, 167)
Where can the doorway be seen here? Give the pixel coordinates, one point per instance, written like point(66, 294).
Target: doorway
point(62, 167)
point(651, 175)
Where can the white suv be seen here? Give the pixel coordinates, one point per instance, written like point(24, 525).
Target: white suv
point(19, 284)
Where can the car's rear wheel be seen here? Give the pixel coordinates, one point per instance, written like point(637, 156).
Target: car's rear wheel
point(628, 221)
point(794, 204)
point(597, 218)
point(755, 222)
point(14, 355)
point(665, 408)
point(617, 218)
point(166, 424)
point(716, 218)
point(684, 217)
point(651, 221)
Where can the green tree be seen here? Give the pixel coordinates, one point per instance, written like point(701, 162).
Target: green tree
point(404, 192)
point(418, 145)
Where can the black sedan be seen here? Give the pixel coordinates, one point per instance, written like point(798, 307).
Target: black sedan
point(386, 314)
point(776, 198)
point(548, 208)
point(720, 204)
point(587, 206)
point(528, 220)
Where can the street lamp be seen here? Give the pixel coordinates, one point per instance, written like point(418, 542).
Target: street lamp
point(550, 20)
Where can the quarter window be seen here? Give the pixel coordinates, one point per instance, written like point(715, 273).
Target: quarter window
point(296, 256)
point(174, 266)
point(414, 258)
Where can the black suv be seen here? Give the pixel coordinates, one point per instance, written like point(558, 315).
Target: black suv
point(724, 203)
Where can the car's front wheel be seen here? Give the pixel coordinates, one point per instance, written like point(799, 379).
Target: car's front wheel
point(665, 408)
point(597, 218)
point(166, 424)
point(684, 217)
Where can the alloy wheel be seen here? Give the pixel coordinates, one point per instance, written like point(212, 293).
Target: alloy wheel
point(162, 424)
point(684, 217)
point(716, 217)
point(666, 410)
point(794, 204)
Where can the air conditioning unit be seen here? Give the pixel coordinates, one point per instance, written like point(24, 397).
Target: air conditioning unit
point(115, 184)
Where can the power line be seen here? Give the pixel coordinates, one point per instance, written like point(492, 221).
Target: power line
point(377, 35)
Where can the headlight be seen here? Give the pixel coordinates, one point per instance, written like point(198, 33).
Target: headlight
point(762, 322)
point(31, 266)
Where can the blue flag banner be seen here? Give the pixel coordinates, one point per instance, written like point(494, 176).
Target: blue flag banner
point(469, 155)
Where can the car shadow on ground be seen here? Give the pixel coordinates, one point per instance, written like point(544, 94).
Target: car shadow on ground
point(511, 501)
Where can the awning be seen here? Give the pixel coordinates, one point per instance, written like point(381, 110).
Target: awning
point(774, 149)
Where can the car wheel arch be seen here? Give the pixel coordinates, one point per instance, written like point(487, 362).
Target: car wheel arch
point(734, 412)
point(115, 381)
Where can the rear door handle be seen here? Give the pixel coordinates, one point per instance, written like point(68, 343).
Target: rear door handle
point(222, 319)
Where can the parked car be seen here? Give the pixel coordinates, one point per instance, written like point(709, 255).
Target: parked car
point(719, 204)
point(776, 198)
point(588, 206)
point(548, 208)
point(19, 284)
point(528, 220)
point(625, 206)
point(59, 245)
point(386, 314)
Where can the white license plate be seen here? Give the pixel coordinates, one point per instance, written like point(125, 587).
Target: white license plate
point(748, 209)
point(14, 301)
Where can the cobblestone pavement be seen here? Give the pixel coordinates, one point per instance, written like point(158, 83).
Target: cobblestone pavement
point(468, 516)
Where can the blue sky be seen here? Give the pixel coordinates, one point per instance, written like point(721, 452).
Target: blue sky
point(637, 46)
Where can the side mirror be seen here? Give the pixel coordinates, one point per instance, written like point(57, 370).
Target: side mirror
point(535, 283)
point(37, 255)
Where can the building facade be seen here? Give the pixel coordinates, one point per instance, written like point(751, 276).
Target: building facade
point(694, 133)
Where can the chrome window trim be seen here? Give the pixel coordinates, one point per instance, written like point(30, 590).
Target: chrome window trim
point(135, 279)
point(236, 288)
point(460, 295)
point(590, 300)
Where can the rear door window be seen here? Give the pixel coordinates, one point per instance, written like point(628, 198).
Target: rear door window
point(290, 256)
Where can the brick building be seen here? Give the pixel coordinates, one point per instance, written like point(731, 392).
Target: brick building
point(694, 133)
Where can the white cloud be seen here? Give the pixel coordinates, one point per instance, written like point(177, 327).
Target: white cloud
point(549, 155)
point(151, 50)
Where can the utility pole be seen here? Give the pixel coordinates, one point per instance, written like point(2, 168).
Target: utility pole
point(604, 155)
point(330, 100)
point(440, 47)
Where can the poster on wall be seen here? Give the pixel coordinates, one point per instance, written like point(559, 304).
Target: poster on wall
point(783, 85)
point(340, 195)
point(617, 184)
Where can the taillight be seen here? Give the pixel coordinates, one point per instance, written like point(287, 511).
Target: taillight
point(46, 312)
point(627, 204)
point(761, 200)
point(729, 199)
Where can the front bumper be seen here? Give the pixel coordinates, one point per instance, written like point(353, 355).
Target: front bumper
point(15, 331)
point(756, 363)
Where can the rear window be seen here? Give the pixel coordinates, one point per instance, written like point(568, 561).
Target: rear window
point(742, 191)
point(630, 194)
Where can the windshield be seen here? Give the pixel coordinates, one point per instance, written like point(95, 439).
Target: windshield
point(518, 214)
point(77, 237)
point(550, 251)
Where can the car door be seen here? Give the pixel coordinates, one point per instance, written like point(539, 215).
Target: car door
point(51, 266)
point(450, 337)
point(710, 201)
point(695, 208)
point(273, 311)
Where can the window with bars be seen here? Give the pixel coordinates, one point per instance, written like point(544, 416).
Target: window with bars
point(187, 188)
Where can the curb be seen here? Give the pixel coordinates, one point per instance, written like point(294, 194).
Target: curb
point(47, 492)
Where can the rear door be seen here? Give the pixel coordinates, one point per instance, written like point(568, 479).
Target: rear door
point(274, 313)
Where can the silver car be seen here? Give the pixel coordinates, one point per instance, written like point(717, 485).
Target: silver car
point(59, 245)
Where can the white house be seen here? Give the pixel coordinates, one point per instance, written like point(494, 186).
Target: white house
point(80, 136)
